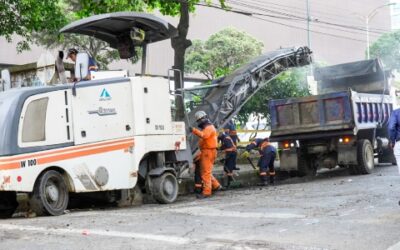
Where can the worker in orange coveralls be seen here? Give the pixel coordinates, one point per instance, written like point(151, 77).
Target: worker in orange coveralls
point(208, 152)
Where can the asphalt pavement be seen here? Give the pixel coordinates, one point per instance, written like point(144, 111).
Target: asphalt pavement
point(332, 211)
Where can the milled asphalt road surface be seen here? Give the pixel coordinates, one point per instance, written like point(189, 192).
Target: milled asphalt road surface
point(333, 211)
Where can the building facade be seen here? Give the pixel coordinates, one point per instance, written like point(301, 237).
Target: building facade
point(337, 30)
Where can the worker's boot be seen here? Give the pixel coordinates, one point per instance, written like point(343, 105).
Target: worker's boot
point(263, 182)
point(230, 179)
point(272, 179)
point(202, 196)
point(198, 188)
point(263, 179)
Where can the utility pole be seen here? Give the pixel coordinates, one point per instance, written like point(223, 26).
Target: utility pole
point(310, 72)
point(308, 24)
point(367, 31)
point(368, 19)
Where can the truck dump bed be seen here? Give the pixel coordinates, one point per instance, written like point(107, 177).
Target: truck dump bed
point(311, 114)
point(339, 112)
point(352, 96)
point(365, 76)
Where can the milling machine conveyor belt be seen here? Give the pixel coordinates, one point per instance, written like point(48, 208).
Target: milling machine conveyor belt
point(228, 94)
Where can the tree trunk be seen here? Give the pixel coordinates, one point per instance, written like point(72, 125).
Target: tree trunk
point(180, 44)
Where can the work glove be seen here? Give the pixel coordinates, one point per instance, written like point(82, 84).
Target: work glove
point(245, 154)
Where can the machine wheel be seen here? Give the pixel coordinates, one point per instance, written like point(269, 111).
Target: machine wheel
point(8, 204)
point(50, 194)
point(305, 167)
point(365, 158)
point(165, 188)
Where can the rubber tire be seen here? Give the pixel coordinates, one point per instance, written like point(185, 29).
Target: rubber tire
point(365, 158)
point(38, 201)
point(305, 168)
point(8, 204)
point(159, 189)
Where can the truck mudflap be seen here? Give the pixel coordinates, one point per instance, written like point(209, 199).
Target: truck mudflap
point(288, 160)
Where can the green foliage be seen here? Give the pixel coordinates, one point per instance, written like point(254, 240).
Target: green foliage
point(387, 48)
point(166, 7)
point(39, 21)
point(24, 17)
point(172, 7)
point(86, 8)
point(222, 53)
point(291, 83)
point(77, 9)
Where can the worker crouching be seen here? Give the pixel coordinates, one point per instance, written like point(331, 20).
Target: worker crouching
point(230, 151)
point(208, 152)
point(266, 161)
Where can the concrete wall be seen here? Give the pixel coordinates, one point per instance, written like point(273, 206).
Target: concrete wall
point(207, 21)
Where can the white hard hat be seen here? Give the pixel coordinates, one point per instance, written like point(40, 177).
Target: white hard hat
point(199, 115)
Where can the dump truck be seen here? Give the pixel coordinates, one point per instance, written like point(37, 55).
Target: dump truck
point(345, 125)
point(113, 135)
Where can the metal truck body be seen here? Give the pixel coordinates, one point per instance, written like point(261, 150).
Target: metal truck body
point(112, 134)
point(345, 128)
point(97, 138)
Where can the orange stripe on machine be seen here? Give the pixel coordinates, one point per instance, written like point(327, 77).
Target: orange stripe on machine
point(66, 154)
point(61, 150)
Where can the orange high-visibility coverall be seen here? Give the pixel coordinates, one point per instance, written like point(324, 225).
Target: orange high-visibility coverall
point(208, 146)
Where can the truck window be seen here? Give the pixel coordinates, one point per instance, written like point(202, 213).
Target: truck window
point(34, 125)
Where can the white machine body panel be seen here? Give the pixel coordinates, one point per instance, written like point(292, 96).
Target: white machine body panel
point(109, 135)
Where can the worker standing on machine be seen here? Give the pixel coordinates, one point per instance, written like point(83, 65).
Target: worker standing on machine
point(208, 153)
point(266, 161)
point(92, 66)
point(229, 148)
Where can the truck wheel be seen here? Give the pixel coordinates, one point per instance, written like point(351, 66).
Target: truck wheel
point(365, 157)
point(50, 194)
point(165, 188)
point(8, 204)
point(305, 167)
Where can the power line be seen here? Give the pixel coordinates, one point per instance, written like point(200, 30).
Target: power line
point(293, 8)
point(282, 24)
point(252, 7)
point(302, 11)
point(312, 31)
point(321, 25)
